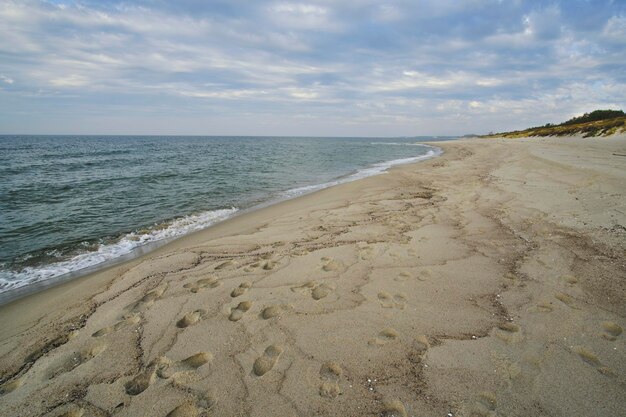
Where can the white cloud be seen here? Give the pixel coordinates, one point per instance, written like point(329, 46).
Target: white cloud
point(410, 80)
point(358, 61)
point(544, 24)
point(304, 94)
point(615, 29)
point(233, 94)
point(74, 80)
point(388, 13)
point(302, 16)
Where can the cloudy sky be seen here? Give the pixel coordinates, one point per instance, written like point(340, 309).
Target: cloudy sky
point(346, 68)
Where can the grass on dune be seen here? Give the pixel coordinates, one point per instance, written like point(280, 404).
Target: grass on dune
point(597, 123)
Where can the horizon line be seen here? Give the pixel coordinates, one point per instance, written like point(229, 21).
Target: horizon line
point(234, 136)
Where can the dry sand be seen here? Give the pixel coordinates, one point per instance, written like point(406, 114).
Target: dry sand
point(488, 282)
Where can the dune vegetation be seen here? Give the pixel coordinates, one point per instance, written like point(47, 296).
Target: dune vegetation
point(596, 123)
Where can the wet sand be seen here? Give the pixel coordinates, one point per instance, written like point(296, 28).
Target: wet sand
point(490, 281)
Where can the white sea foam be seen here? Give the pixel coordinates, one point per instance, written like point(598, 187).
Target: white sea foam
point(376, 169)
point(397, 143)
point(106, 252)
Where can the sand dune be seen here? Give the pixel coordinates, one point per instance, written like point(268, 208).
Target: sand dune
point(488, 282)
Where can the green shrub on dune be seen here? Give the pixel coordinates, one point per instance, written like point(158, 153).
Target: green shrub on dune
point(596, 123)
point(595, 116)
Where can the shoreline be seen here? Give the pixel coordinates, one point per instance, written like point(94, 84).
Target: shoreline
point(380, 168)
point(488, 280)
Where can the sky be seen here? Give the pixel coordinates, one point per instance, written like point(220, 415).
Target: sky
point(314, 68)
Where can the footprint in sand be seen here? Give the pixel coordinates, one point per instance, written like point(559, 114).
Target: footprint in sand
point(128, 321)
point(264, 363)
point(399, 301)
point(592, 359)
point(402, 276)
point(241, 289)
point(271, 311)
point(485, 404)
point(201, 284)
point(202, 404)
point(545, 307)
point(75, 360)
point(262, 261)
point(142, 380)
point(422, 343)
point(185, 410)
point(225, 265)
point(304, 287)
point(393, 408)
point(388, 301)
point(330, 265)
point(320, 291)
point(424, 275)
point(366, 253)
point(236, 313)
point(10, 386)
point(191, 318)
point(330, 373)
point(384, 336)
point(300, 252)
point(508, 332)
point(569, 279)
point(509, 327)
point(566, 299)
point(266, 265)
point(385, 299)
point(611, 330)
point(74, 412)
point(147, 300)
point(167, 369)
point(510, 276)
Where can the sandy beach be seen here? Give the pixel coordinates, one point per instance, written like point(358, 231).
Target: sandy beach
point(490, 281)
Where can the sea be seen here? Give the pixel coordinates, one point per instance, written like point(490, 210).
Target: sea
point(73, 204)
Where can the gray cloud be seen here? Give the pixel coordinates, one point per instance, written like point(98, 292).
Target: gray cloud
point(318, 67)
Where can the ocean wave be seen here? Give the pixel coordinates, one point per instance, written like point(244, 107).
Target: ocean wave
point(397, 144)
point(374, 169)
point(106, 252)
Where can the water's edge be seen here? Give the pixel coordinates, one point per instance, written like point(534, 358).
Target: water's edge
point(149, 246)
